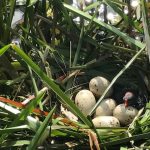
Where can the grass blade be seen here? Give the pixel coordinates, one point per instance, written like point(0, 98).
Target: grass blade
point(59, 5)
point(124, 36)
point(12, 9)
point(24, 114)
point(31, 105)
point(14, 143)
point(32, 2)
point(122, 14)
point(41, 130)
point(146, 26)
point(14, 129)
point(63, 97)
point(137, 137)
point(4, 49)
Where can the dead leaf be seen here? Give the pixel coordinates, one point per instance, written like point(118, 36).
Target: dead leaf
point(93, 140)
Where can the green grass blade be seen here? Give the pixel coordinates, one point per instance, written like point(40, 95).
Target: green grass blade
point(93, 5)
point(76, 57)
point(137, 137)
point(119, 2)
point(10, 144)
point(124, 36)
point(25, 112)
point(1, 21)
point(36, 39)
point(122, 14)
point(4, 49)
point(33, 81)
point(41, 130)
point(146, 25)
point(32, 2)
point(12, 9)
point(59, 5)
point(7, 12)
point(63, 97)
point(23, 115)
point(14, 129)
point(116, 9)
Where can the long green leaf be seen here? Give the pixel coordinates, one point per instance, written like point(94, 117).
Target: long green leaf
point(122, 14)
point(14, 129)
point(119, 2)
point(10, 144)
point(40, 42)
point(1, 21)
point(93, 5)
point(12, 9)
point(4, 49)
point(63, 97)
point(124, 36)
point(76, 57)
point(25, 112)
point(41, 130)
point(32, 2)
point(23, 115)
point(137, 137)
point(58, 4)
point(146, 25)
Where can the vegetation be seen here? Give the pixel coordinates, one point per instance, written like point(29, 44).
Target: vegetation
point(52, 53)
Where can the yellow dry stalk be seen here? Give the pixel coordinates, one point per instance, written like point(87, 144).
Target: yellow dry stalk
point(49, 13)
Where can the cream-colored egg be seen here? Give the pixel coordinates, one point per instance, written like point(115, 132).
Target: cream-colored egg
point(98, 85)
point(85, 101)
point(125, 114)
point(106, 121)
point(88, 2)
point(106, 107)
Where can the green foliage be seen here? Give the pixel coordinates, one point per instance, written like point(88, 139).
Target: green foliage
point(59, 52)
point(39, 134)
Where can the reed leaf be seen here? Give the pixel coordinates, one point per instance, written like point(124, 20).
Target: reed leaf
point(39, 134)
point(127, 20)
point(32, 2)
point(63, 97)
point(137, 137)
point(146, 26)
point(23, 115)
point(12, 9)
point(113, 29)
point(4, 49)
point(13, 129)
point(10, 144)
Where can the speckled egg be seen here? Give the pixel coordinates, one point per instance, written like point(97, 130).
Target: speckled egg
point(98, 85)
point(125, 114)
point(106, 121)
point(85, 101)
point(106, 107)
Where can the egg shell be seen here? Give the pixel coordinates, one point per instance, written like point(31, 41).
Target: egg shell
point(125, 114)
point(85, 101)
point(88, 2)
point(106, 121)
point(106, 107)
point(98, 85)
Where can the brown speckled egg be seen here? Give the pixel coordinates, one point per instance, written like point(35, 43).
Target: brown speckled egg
point(106, 107)
point(98, 85)
point(106, 121)
point(85, 101)
point(125, 114)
